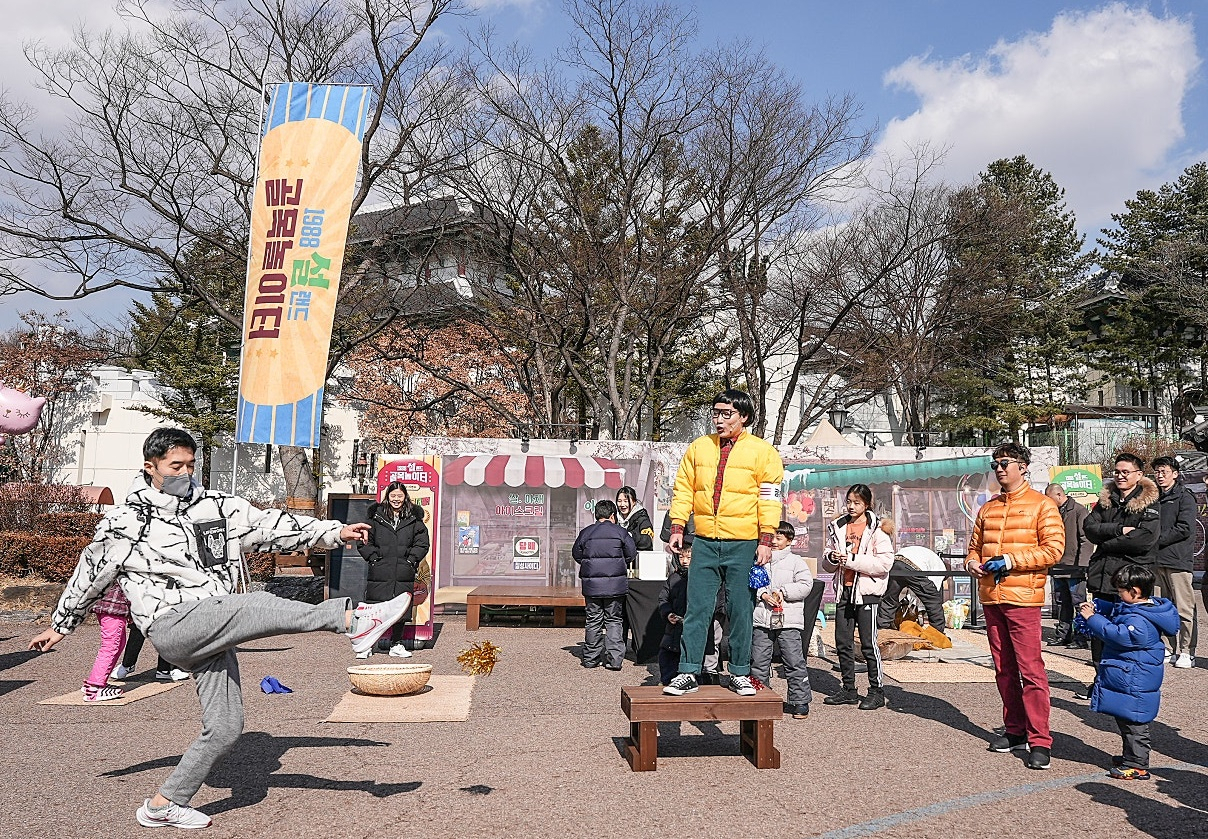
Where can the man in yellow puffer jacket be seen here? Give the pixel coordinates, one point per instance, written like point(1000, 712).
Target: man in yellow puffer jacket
point(730, 481)
point(1017, 537)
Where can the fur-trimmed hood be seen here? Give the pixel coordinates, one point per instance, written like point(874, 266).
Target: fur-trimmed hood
point(1144, 494)
point(883, 523)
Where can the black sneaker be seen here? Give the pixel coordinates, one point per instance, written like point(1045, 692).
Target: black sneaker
point(801, 712)
point(681, 684)
point(844, 696)
point(1008, 743)
point(874, 700)
point(1084, 693)
point(1039, 758)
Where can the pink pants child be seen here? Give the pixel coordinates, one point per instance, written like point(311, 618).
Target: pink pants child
point(113, 641)
point(112, 612)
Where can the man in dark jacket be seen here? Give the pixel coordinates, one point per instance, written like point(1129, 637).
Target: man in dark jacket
point(1124, 526)
point(1176, 546)
point(1069, 575)
point(604, 550)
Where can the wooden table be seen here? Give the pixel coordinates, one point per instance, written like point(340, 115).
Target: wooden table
point(647, 706)
point(557, 597)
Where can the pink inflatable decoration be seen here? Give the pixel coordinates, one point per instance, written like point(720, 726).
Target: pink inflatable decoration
point(18, 412)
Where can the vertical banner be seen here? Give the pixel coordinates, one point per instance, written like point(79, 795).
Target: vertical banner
point(421, 476)
point(309, 151)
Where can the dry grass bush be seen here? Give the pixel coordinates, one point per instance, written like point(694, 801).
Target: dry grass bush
point(23, 504)
point(1147, 448)
point(67, 524)
point(51, 558)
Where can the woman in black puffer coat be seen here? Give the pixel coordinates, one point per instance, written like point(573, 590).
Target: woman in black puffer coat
point(398, 542)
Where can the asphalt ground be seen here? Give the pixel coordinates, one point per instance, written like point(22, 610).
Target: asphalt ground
point(540, 756)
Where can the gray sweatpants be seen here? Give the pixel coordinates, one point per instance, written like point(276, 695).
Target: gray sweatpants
point(604, 631)
point(202, 637)
point(791, 653)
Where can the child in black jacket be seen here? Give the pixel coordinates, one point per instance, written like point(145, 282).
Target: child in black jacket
point(673, 601)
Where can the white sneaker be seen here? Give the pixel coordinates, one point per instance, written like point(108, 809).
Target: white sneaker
point(1185, 660)
point(365, 654)
point(399, 651)
point(171, 816)
point(370, 622)
point(173, 675)
point(105, 694)
point(120, 672)
point(742, 685)
point(681, 684)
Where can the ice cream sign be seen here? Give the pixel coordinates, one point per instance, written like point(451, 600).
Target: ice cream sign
point(526, 553)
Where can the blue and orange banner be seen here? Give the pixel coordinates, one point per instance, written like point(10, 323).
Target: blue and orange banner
point(309, 151)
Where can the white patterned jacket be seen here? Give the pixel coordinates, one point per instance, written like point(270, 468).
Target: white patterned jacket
point(164, 551)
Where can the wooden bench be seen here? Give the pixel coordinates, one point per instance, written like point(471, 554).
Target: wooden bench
point(557, 597)
point(647, 706)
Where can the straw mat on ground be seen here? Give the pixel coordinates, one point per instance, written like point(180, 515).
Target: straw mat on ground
point(937, 671)
point(133, 694)
point(446, 699)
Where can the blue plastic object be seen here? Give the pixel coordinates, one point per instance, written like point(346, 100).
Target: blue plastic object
point(759, 577)
point(269, 684)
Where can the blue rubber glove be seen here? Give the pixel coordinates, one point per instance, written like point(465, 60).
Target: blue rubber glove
point(269, 684)
point(996, 566)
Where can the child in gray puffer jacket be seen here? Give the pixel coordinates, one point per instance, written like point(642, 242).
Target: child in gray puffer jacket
point(779, 619)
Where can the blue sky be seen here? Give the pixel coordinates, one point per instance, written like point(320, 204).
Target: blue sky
point(1108, 96)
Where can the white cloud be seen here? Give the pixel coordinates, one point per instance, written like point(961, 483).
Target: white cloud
point(1096, 100)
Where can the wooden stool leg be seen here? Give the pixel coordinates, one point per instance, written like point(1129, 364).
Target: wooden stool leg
point(755, 741)
point(472, 617)
point(559, 616)
point(642, 749)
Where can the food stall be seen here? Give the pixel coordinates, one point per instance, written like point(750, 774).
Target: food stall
point(515, 517)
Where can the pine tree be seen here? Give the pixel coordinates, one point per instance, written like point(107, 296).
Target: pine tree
point(194, 354)
point(1153, 334)
point(1018, 235)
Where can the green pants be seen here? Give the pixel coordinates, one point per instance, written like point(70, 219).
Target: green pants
point(716, 562)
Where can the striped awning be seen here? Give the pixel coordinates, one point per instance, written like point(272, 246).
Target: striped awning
point(534, 471)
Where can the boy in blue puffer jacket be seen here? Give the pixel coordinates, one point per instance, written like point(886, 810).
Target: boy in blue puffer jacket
point(1129, 682)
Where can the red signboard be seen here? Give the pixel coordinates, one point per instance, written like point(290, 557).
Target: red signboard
point(421, 476)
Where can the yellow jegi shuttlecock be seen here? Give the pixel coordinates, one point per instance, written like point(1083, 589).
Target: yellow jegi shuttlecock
point(479, 659)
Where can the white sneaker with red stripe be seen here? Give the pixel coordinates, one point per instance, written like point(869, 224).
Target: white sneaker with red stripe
point(370, 622)
point(171, 816)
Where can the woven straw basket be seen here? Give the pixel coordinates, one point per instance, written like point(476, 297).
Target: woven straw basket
point(389, 679)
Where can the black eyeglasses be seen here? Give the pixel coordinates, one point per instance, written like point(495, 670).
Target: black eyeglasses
point(723, 414)
point(1124, 473)
point(1002, 464)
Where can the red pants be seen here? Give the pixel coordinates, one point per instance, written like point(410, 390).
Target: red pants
point(1014, 633)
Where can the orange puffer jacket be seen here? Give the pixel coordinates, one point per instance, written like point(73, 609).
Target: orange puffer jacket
point(1025, 525)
